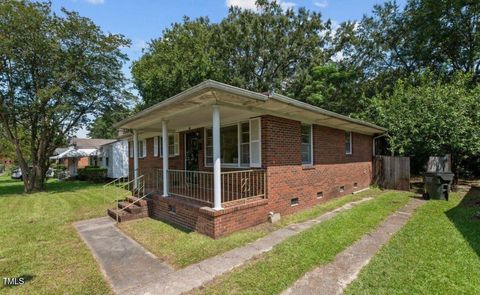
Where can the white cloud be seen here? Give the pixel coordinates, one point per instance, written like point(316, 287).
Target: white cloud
point(250, 4)
point(287, 5)
point(96, 2)
point(321, 4)
point(245, 4)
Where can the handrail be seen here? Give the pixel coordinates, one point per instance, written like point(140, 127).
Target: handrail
point(140, 188)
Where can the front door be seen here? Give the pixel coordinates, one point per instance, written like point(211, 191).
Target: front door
point(192, 147)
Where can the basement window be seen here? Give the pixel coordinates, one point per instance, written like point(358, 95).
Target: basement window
point(294, 202)
point(319, 195)
point(172, 209)
point(355, 185)
point(342, 188)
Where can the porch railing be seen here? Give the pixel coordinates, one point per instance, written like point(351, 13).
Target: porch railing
point(236, 185)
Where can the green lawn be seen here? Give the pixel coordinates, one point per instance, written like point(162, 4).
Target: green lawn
point(288, 261)
point(181, 248)
point(437, 252)
point(38, 241)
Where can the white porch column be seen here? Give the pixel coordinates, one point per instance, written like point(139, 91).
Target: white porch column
point(165, 157)
point(135, 157)
point(217, 166)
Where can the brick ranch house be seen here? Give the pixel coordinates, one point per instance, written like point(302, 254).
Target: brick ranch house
point(235, 155)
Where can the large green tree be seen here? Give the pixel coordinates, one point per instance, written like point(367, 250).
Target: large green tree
point(102, 125)
point(263, 50)
point(429, 117)
point(334, 87)
point(441, 36)
point(54, 71)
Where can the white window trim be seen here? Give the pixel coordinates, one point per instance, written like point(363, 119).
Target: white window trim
point(259, 165)
point(311, 144)
point(155, 146)
point(143, 151)
point(350, 152)
point(239, 134)
point(176, 138)
point(130, 149)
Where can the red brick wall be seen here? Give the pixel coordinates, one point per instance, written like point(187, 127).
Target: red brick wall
point(331, 169)
point(194, 216)
point(287, 177)
point(82, 162)
point(150, 161)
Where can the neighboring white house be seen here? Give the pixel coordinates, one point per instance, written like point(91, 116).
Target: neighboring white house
point(80, 153)
point(114, 157)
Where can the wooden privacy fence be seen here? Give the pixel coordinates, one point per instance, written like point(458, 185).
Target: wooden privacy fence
point(392, 172)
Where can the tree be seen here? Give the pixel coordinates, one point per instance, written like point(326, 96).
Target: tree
point(334, 88)
point(102, 126)
point(54, 70)
point(264, 50)
point(429, 117)
point(272, 49)
point(441, 36)
point(182, 57)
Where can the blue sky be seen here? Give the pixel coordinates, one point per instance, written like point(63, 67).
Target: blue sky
point(143, 20)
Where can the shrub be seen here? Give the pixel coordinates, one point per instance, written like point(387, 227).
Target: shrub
point(92, 167)
point(58, 167)
point(94, 174)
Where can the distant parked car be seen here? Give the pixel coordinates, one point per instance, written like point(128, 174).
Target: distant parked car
point(50, 173)
point(17, 173)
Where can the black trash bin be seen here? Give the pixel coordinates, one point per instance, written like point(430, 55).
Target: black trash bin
point(437, 185)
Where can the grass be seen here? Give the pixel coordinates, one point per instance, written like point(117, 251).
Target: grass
point(288, 261)
point(181, 248)
point(436, 252)
point(39, 243)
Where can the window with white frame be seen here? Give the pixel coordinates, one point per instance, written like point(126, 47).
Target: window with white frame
point(244, 144)
point(173, 145)
point(228, 145)
point(142, 148)
point(306, 150)
point(239, 144)
point(348, 143)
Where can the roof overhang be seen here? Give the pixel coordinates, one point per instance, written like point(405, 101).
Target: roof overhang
point(75, 153)
point(191, 109)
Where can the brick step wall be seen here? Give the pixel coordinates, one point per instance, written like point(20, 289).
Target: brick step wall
point(138, 210)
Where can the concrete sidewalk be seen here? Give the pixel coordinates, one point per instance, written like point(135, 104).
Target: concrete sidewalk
point(196, 275)
point(131, 269)
point(123, 261)
point(334, 277)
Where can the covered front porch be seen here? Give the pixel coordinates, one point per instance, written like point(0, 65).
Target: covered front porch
point(237, 186)
point(213, 143)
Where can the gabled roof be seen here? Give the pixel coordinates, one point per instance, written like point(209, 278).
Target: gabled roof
point(85, 143)
point(270, 103)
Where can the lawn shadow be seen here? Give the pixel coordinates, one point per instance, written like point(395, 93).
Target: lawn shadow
point(10, 187)
point(466, 218)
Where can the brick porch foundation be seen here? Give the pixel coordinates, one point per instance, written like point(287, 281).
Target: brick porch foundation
point(283, 185)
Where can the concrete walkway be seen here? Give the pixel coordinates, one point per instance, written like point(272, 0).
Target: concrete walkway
point(130, 269)
point(334, 277)
point(123, 261)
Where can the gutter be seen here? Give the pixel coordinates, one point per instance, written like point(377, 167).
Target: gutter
point(303, 105)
